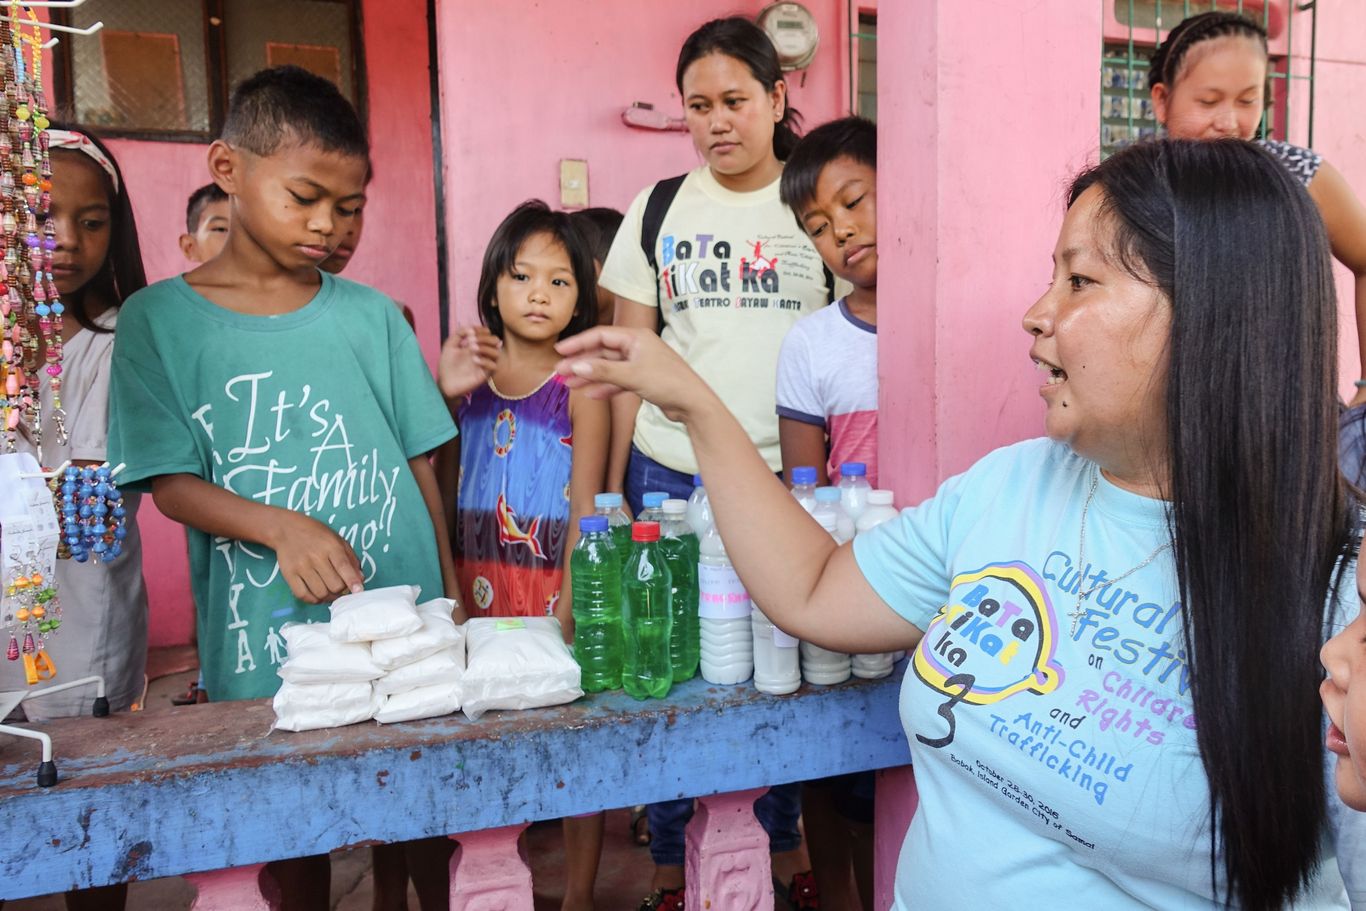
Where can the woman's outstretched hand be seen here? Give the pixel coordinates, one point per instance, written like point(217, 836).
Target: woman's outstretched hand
point(612, 359)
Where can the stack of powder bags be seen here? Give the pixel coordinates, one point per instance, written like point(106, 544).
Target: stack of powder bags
point(382, 656)
point(517, 663)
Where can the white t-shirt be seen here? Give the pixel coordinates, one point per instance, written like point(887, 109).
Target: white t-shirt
point(827, 377)
point(736, 271)
point(1061, 768)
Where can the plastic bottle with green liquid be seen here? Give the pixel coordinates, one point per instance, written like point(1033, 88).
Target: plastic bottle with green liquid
point(646, 616)
point(595, 580)
point(618, 522)
point(679, 545)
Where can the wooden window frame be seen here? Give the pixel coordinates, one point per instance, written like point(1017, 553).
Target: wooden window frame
point(215, 57)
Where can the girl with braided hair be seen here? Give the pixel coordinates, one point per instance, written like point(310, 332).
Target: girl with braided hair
point(1209, 81)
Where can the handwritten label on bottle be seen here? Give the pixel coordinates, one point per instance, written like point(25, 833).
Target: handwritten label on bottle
point(722, 595)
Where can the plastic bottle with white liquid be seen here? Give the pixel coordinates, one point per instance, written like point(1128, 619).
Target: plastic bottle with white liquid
point(777, 657)
point(725, 637)
point(828, 504)
point(820, 665)
point(804, 486)
point(879, 509)
point(854, 488)
point(699, 510)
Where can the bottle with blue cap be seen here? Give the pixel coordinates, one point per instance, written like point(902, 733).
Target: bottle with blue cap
point(651, 503)
point(618, 522)
point(854, 488)
point(804, 486)
point(595, 581)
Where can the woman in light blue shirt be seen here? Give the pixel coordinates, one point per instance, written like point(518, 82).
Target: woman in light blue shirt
point(1112, 699)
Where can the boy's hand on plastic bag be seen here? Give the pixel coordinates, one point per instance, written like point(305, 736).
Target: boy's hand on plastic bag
point(467, 360)
point(610, 359)
point(314, 560)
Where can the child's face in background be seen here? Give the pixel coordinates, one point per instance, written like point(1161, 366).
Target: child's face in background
point(297, 203)
point(537, 297)
point(729, 114)
point(81, 214)
point(346, 247)
point(1344, 698)
point(1218, 91)
point(841, 220)
point(211, 236)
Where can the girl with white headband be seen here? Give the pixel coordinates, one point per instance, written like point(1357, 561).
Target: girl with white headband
point(96, 264)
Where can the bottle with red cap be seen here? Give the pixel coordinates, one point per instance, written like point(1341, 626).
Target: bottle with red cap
point(646, 616)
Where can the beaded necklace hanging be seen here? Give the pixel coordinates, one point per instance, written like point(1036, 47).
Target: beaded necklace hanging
point(28, 295)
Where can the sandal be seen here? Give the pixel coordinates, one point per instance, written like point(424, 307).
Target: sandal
point(801, 894)
point(640, 834)
point(663, 900)
point(191, 695)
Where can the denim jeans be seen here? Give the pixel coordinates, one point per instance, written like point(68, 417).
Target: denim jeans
point(778, 810)
point(644, 474)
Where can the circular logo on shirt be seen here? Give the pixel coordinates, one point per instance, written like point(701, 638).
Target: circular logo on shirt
point(504, 432)
point(482, 590)
point(995, 637)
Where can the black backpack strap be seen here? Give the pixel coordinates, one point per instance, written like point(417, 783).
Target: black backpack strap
point(656, 207)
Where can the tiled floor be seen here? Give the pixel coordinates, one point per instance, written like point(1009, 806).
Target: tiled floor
point(622, 878)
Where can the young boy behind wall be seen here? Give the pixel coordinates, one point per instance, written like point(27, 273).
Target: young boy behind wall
point(827, 387)
point(282, 414)
point(206, 224)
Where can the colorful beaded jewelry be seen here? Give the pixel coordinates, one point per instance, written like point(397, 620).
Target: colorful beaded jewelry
point(29, 302)
point(33, 614)
point(92, 514)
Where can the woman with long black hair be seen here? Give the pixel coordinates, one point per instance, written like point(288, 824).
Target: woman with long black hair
point(1112, 695)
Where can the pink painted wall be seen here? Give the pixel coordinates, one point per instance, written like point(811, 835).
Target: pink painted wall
point(1340, 81)
point(967, 227)
point(985, 111)
point(512, 107)
point(396, 254)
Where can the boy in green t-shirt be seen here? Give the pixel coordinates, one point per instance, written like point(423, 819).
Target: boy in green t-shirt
point(282, 414)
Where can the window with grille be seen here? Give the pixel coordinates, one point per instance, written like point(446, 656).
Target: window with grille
point(163, 69)
point(864, 60)
point(1134, 28)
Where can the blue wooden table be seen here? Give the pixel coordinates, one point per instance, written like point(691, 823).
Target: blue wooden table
point(210, 787)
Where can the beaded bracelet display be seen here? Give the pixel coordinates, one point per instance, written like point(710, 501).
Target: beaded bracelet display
point(92, 514)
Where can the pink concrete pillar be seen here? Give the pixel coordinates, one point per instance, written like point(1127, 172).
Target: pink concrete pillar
point(982, 119)
point(234, 889)
point(727, 862)
point(489, 873)
point(895, 805)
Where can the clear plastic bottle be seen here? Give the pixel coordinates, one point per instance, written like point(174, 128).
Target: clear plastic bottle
point(649, 506)
point(819, 665)
point(804, 486)
point(699, 510)
point(828, 504)
point(854, 488)
point(595, 570)
point(879, 509)
point(609, 505)
point(680, 548)
point(725, 637)
point(777, 657)
point(646, 616)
